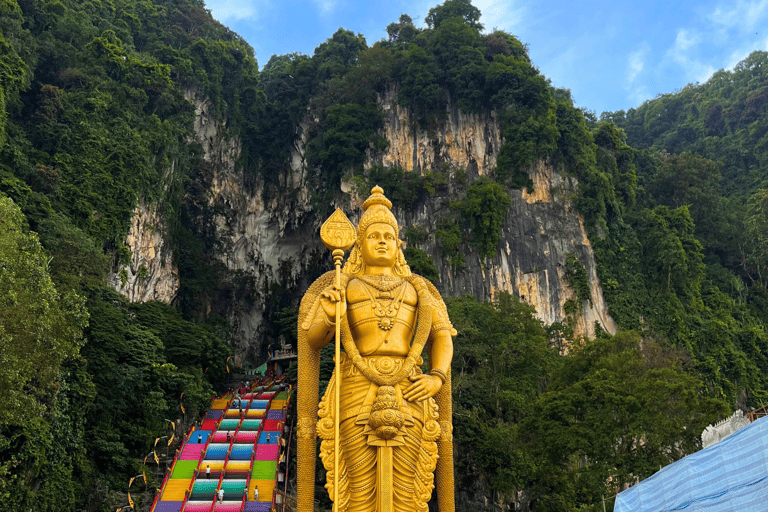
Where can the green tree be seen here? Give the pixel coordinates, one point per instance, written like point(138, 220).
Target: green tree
point(403, 31)
point(693, 181)
point(499, 42)
point(335, 56)
point(344, 134)
point(461, 9)
point(39, 327)
point(617, 410)
point(13, 71)
point(756, 248)
point(671, 251)
point(501, 363)
point(485, 206)
point(421, 263)
point(419, 88)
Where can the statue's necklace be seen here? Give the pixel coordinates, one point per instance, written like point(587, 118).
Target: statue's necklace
point(382, 283)
point(384, 311)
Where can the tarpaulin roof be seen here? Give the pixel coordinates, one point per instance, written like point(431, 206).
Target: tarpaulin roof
point(729, 475)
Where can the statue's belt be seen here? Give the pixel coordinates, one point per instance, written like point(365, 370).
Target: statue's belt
point(384, 365)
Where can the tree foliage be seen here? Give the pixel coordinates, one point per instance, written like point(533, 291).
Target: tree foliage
point(39, 327)
point(616, 410)
point(501, 363)
point(461, 9)
point(485, 206)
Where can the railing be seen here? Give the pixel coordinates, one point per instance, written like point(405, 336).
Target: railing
point(274, 493)
point(162, 490)
point(287, 458)
point(758, 413)
point(221, 479)
point(200, 460)
point(154, 502)
point(277, 457)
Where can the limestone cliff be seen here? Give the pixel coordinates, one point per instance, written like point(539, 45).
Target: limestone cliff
point(468, 141)
point(151, 274)
point(538, 233)
point(272, 244)
point(540, 230)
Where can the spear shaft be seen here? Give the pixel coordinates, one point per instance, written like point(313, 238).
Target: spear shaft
point(338, 255)
point(338, 234)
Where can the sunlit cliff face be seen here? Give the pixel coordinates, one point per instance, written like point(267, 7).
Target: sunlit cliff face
point(379, 248)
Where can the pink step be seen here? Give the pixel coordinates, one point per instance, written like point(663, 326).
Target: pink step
point(228, 507)
point(246, 437)
point(191, 451)
point(220, 436)
point(198, 506)
point(267, 452)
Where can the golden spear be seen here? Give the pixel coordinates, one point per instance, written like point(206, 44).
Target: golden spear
point(338, 235)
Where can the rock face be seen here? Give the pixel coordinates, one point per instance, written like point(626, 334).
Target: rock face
point(275, 242)
point(151, 274)
point(539, 231)
point(468, 141)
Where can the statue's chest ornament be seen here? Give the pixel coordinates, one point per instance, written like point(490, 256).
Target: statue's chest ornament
point(386, 302)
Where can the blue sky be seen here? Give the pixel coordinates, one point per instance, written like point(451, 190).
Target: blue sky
point(611, 55)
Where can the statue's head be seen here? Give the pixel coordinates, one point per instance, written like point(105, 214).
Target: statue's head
point(378, 241)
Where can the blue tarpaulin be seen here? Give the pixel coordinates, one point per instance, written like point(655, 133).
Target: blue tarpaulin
point(727, 476)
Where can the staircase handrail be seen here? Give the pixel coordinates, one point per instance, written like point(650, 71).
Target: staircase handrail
point(154, 502)
point(287, 458)
point(215, 494)
point(162, 487)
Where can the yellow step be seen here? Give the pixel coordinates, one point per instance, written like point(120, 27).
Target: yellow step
point(175, 489)
point(220, 403)
point(266, 489)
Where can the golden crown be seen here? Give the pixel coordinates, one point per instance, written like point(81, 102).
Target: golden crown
point(377, 210)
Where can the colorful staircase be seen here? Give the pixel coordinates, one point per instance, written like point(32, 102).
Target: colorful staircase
point(236, 449)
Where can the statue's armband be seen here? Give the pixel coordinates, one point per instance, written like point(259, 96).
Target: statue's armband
point(441, 322)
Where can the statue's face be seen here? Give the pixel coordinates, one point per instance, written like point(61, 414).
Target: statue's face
point(380, 246)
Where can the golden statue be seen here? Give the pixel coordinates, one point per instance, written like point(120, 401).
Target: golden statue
point(394, 422)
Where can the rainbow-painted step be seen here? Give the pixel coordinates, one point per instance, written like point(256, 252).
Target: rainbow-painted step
point(236, 450)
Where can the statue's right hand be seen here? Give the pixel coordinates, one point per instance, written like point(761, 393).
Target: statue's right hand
point(329, 298)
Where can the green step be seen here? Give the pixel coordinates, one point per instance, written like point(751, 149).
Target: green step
point(264, 469)
point(236, 487)
point(205, 486)
point(184, 469)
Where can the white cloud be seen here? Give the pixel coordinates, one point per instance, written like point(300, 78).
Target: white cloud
point(636, 73)
point(740, 27)
point(745, 16)
point(503, 15)
point(684, 52)
point(636, 62)
point(743, 52)
point(638, 94)
point(326, 7)
point(227, 10)
point(686, 40)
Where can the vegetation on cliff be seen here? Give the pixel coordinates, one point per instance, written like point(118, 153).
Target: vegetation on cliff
point(95, 118)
